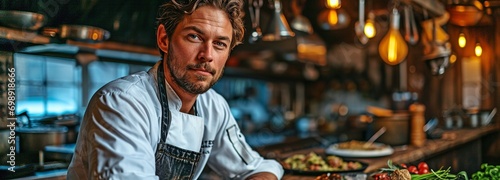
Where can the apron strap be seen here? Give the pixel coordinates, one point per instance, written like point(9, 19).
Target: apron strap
point(166, 115)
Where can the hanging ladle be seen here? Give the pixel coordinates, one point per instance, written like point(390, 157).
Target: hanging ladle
point(360, 25)
point(411, 35)
point(256, 33)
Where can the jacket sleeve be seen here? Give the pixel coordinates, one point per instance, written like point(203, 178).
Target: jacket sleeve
point(116, 141)
point(231, 155)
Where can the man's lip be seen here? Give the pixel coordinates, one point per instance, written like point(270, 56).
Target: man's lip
point(202, 70)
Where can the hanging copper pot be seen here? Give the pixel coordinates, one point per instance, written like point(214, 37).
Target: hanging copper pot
point(465, 15)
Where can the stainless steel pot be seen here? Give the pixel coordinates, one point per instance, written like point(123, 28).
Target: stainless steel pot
point(32, 140)
point(70, 121)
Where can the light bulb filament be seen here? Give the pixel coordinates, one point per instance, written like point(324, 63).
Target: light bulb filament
point(393, 49)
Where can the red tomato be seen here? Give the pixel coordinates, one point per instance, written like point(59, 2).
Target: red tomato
point(413, 170)
point(381, 176)
point(403, 165)
point(423, 171)
point(423, 165)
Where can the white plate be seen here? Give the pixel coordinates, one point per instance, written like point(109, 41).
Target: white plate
point(334, 150)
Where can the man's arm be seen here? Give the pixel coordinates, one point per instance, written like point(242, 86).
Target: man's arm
point(116, 138)
point(231, 155)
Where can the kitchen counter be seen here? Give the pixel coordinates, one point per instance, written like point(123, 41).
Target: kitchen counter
point(405, 154)
point(433, 149)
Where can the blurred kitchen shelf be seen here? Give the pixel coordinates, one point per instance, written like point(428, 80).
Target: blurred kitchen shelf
point(132, 54)
point(70, 51)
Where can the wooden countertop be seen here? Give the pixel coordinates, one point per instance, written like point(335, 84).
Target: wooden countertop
point(412, 153)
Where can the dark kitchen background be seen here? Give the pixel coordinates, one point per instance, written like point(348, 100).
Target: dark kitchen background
point(319, 86)
point(272, 75)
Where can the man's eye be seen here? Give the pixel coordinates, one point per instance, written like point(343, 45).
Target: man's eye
point(220, 45)
point(193, 36)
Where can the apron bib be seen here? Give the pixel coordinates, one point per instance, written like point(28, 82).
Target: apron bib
point(171, 162)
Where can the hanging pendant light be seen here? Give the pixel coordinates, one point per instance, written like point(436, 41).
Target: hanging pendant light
point(278, 28)
point(333, 4)
point(453, 58)
point(369, 29)
point(393, 48)
point(461, 40)
point(333, 17)
point(478, 50)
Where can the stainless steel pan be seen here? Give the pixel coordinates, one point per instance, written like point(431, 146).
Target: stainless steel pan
point(22, 19)
point(78, 33)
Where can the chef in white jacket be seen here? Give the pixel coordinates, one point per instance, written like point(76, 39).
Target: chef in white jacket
point(168, 123)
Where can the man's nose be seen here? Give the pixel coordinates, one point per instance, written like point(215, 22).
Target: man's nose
point(206, 52)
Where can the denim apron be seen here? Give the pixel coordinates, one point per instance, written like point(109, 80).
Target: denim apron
point(171, 162)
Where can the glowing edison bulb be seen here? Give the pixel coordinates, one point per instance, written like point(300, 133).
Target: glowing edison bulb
point(333, 17)
point(478, 50)
point(369, 29)
point(333, 4)
point(393, 48)
point(453, 58)
point(461, 40)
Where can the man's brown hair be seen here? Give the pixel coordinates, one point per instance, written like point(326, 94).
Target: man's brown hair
point(171, 14)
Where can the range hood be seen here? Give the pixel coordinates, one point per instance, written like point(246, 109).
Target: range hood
point(304, 48)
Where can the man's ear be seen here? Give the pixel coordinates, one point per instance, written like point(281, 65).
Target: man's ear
point(162, 38)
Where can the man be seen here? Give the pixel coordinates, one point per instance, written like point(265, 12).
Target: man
point(167, 123)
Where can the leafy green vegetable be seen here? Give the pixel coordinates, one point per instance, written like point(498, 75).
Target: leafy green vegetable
point(441, 174)
point(487, 172)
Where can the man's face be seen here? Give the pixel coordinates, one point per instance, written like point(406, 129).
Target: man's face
point(199, 49)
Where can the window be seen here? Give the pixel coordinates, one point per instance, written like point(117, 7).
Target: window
point(48, 86)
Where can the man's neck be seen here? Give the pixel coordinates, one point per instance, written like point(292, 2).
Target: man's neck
point(187, 99)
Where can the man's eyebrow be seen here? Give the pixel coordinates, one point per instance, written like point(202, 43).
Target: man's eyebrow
point(199, 31)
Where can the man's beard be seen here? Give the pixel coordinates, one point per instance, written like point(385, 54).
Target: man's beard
point(183, 79)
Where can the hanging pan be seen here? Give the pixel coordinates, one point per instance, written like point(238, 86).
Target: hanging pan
point(22, 20)
point(78, 33)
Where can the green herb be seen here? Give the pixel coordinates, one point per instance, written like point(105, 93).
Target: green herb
point(487, 172)
point(441, 174)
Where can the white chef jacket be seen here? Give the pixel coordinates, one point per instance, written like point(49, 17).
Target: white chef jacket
point(121, 130)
